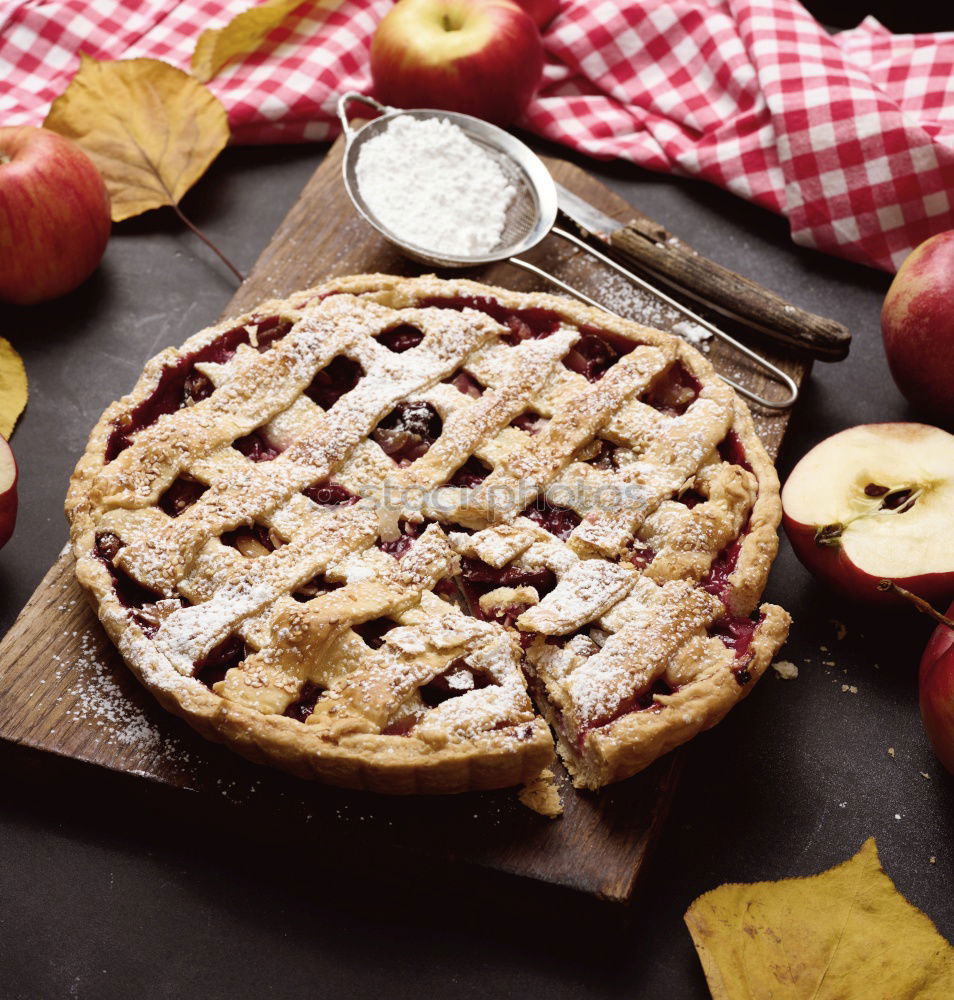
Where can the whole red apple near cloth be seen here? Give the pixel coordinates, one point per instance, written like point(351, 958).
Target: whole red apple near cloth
point(479, 57)
point(936, 689)
point(8, 492)
point(876, 502)
point(54, 215)
point(917, 322)
point(541, 11)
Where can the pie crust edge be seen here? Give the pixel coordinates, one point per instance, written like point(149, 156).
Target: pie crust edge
point(495, 759)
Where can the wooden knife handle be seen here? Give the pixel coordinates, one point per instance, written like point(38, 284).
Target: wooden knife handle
point(653, 248)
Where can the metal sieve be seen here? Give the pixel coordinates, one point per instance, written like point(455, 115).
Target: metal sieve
point(531, 216)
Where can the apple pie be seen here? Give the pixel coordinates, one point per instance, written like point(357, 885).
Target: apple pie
point(402, 534)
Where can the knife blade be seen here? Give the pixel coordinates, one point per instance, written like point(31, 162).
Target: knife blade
point(651, 250)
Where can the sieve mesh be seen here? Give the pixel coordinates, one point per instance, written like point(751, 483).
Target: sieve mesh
point(530, 215)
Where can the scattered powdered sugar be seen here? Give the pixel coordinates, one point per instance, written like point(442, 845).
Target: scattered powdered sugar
point(99, 701)
point(631, 301)
point(433, 187)
point(692, 332)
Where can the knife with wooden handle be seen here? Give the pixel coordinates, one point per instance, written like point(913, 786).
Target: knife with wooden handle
point(653, 250)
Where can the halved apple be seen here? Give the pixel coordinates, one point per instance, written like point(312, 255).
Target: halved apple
point(8, 492)
point(876, 502)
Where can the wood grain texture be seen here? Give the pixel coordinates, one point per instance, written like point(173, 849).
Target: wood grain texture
point(64, 689)
point(656, 252)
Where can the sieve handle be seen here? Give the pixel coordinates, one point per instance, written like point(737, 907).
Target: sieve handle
point(354, 95)
point(651, 247)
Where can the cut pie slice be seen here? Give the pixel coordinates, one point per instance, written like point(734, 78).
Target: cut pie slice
point(368, 533)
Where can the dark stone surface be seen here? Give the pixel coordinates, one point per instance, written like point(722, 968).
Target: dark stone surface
point(110, 888)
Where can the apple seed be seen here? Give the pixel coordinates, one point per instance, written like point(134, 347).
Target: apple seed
point(830, 534)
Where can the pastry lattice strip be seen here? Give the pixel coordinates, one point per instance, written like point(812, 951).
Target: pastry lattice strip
point(293, 644)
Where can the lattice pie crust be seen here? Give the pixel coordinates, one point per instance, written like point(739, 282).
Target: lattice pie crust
point(361, 532)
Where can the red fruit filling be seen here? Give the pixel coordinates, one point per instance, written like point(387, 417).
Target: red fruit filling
point(140, 601)
point(736, 633)
point(400, 727)
point(197, 387)
point(401, 338)
point(213, 667)
point(407, 432)
point(478, 578)
point(482, 577)
point(329, 494)
point(595, 353)
point(410, 530)
point(313, 587)
point(642, 555)
point(308, 696)
point(638, 701)
point(130, 593)
point(674, 391)
point(716, 581)
point(374, 631)
point(529, 422)
point(732, 450)
point(559, 521)
point(181, 494)
point(690, 498)
point(257, 447)
point(525, 324)
point(466, 383)
point(339, 376)
point(181, 385)
point(456, 679)
point(470, 474)
point(604, 458)
point(251, 540)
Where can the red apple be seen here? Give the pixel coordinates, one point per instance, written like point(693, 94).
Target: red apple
point(541, 11)
point(479, 57)
point(936, 689)
point(54, 215)
point(8, 492)
point(875, 502)
point(917, 323)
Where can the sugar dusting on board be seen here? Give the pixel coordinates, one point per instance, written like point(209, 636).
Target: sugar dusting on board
point(427, 182)
point(97, 699)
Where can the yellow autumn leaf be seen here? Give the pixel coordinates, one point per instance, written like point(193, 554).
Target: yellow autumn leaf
point(243, 34)
point(846, 934)
point(151, 129)
point(13, 387)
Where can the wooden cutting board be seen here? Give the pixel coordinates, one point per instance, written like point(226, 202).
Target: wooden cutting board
point(63, 689)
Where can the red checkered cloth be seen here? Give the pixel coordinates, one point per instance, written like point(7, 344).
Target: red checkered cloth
point(850, 136)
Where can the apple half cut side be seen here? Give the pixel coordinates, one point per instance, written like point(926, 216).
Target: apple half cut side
point(8, 492)
point(876, 502)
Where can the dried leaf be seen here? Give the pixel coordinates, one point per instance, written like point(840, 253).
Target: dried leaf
point(243, 34)
point(150, 128)
point(13, 387)
point(846, 934)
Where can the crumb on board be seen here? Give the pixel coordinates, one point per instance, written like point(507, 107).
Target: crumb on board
point(785, 670)
point(849, 689)
point(890, 751)
point(541, 795)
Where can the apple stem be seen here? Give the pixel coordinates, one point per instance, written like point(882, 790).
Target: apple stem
point(918, 602)
point(198, 232)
